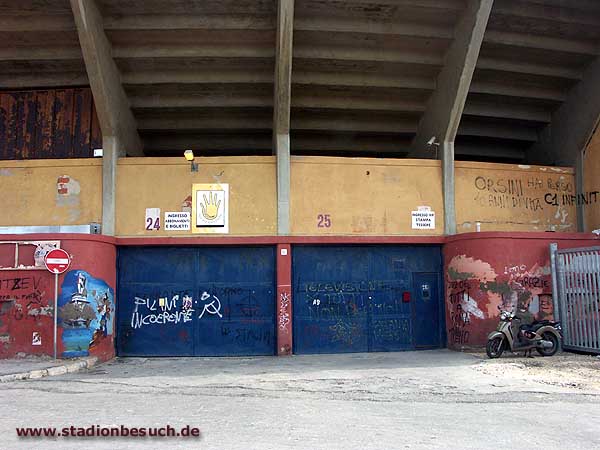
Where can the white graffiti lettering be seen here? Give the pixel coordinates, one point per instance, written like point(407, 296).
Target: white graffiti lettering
point(160, 312)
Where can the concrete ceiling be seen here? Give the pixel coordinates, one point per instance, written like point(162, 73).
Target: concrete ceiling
point(199, 74)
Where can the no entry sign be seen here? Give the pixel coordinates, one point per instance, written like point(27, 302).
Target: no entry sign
point(57, 261)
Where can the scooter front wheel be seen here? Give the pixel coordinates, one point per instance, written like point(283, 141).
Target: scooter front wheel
point(495, 347)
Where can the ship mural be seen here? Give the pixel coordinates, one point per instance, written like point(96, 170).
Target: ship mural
point(85, 310)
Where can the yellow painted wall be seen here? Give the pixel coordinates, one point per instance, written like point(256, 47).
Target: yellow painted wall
point(354, 196)
point(29, 192)
point(363, 196)
point(591, 182)
point(165, 183)
point(507, 197)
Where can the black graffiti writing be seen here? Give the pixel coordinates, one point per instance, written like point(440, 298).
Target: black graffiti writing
point(346, 286)
point(585, 198)
point(501, 185)
point(246, 335)
point(534, 282)
point(504, 201)
point(19, 283)
point(459, 319)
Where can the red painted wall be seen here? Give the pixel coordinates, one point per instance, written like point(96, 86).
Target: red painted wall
point(27, 296)
point(487, 270)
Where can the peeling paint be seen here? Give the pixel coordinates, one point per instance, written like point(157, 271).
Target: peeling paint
point(186, 205)
point(67, 191)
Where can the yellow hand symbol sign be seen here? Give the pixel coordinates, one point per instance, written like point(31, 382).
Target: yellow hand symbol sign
point(210, 207)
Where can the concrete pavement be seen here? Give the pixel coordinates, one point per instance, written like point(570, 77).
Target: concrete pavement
point(418, 400)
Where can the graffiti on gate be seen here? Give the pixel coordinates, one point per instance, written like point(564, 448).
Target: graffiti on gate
point(162, 310)
point(211, 305)
point(344, 300)
point(392, 330)
point(284, 311)
point(345, 332)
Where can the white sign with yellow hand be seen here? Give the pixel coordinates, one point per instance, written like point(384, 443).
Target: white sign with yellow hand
point(210, 204)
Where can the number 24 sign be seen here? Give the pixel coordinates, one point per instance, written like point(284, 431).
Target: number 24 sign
point(152, 219)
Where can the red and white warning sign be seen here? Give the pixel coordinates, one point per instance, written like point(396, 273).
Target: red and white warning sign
point(57, 260)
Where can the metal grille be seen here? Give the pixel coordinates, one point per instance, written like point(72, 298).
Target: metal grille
point(576, 278)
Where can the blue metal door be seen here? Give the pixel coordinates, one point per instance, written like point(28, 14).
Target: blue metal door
point(357, 298)
point(203, 301)
point(426, 310)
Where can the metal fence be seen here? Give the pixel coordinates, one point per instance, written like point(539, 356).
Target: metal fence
point(576, 285)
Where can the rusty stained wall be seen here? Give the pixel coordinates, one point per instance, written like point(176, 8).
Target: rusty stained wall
point(591, 183)
point(166, 183)
point(56, 192)
point(485, 271)
point(507, 197)
point(27, 301)
point(58, 123)
point(363, 196)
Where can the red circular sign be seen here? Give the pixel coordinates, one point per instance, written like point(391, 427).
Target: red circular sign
point(57, 260)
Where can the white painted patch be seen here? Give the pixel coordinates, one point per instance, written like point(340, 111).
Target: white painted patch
point(5, 173)
point(469, 305)
point(556, 169)
point(524, 166)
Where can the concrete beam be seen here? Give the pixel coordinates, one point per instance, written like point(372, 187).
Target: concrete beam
point(572, 123)
point(542, 42)
point(37, 22)
point(281, 110)
point(187, 22)
point(445, 106)
point(119, 130)
point(112, 105)
point(348, 25)
point(47, 80)
point(501, 65)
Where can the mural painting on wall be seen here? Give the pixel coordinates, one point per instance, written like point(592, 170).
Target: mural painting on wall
point(476, 291)
point(544, 201)
point(86, 311)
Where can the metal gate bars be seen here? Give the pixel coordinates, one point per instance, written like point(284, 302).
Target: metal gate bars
point(576, 285)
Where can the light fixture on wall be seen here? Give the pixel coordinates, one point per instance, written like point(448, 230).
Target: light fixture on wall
point(433, 142)
point(189, 156)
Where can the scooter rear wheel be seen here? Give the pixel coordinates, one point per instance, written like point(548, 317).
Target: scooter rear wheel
point(495, 347)
point(548, 336)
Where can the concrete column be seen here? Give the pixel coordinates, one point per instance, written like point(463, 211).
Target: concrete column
point(281, 111)
point(284, 300)
point(579, 189)
point(110, 156)
point(448, 187)
point(282, 147)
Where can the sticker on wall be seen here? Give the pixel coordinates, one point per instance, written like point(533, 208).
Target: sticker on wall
point(210, 205)
point(36, 338)
point(423, 218)
point(178, 221)
point(152, 219)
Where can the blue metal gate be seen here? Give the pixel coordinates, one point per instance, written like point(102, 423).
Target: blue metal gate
point(202, 301)
point(366, 298)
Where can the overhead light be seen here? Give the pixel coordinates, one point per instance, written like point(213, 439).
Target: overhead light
point(189, 156)
point(432, 141)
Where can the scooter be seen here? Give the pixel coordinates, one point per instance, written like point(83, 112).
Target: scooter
point(544, 336)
